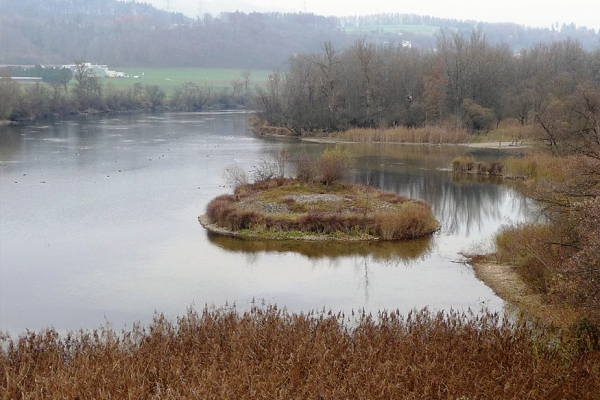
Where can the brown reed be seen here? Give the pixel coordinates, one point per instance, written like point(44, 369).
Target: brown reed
point(401, 134)
point(266, 352)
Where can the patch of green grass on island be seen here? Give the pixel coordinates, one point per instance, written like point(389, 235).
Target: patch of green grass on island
point(284, 208)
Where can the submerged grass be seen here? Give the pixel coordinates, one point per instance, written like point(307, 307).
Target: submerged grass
point(277, 208)
point(270, 353)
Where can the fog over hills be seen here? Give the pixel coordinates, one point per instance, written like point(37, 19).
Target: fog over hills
point(128, 33)
point(534, 13)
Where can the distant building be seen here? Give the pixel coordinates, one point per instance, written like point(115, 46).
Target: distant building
point(99, 70)
point(26, 79)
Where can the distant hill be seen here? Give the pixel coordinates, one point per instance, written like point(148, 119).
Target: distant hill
point(417, 27)
point(125, 34)
point(133, 34)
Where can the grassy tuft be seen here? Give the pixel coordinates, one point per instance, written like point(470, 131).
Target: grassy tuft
point(408, 224)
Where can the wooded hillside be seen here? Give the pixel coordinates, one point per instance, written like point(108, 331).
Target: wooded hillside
point(125, 34)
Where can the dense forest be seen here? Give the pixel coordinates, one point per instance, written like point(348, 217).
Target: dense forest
point(467, 81)
point(125, 34)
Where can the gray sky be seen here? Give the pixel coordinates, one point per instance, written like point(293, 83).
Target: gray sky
point(536, 13)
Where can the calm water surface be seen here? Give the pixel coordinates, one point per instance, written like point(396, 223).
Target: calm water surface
point(99, 223)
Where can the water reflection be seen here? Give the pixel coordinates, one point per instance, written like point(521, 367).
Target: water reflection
point(112, 231)
point(463, 204)
point(406, 252)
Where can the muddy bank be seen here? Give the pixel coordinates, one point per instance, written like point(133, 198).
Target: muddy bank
point(509, 286)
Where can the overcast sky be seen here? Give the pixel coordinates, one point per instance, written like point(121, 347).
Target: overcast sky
point(537, 13)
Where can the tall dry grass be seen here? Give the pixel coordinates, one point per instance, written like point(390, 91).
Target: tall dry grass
point(542, 166)
point(272, 354)
point(410, 223)
point(401, 134)
point(507, 131)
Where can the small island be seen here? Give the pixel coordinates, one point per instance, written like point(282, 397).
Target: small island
point(285, 208)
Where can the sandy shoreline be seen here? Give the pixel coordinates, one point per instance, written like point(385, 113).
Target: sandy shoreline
point(482, 145)
point(509, 286)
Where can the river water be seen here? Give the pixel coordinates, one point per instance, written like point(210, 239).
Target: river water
point(99, 225)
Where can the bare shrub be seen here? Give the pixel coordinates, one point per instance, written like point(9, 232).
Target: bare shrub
point(463, 164)
point(307, 168)
point(482, 168)
point(235, 176)
point(268, 169)
point(495, 168)
point(264, 170)
point(583, 268)
point(335, 164)
point(281, 161)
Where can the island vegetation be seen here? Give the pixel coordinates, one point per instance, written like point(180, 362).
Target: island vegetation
point(314, 206)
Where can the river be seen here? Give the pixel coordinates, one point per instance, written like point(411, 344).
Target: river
point(99, 225)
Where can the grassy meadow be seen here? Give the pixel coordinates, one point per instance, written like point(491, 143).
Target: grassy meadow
point(168, 79)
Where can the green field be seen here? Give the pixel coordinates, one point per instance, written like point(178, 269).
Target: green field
point(381, 29)
point(168, 79)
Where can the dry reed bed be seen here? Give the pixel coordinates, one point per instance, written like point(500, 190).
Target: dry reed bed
point(269, 209)
point(401, 134)
point(270, 353)
point(444, 134)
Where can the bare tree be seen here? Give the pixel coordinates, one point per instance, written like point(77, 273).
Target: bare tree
point(9, 93)
point(245, 74)
point(235, 176)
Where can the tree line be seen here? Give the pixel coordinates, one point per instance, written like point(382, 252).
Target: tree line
point(86, 93)
point(465, 81)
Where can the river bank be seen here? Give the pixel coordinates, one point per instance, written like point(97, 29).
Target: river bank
point(508, 285)
point(506, 145)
